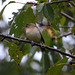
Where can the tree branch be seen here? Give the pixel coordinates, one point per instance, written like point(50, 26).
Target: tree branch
point(65, 26)
point(59, 1)
point(72, 62)
point(28, 3)
point(67, 16)
point(46, 2)
point(72, 3)
point(64, 35)
point(40, 45)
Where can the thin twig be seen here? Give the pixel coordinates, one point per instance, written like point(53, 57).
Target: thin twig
point(72, 62)
point(72, 3)
point(59, 1)
point(67, 16)
point(64, 35)
point(46, 2)
point(28, 3)
point(40, 45)
point(65, 26)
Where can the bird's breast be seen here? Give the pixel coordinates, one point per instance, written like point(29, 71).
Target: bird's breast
point(33, 34)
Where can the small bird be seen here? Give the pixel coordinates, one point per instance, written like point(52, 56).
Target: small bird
point(33, 33)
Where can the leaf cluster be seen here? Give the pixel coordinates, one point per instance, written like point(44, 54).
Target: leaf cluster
point(54, 19)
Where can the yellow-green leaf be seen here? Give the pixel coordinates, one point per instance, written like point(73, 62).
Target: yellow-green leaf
point(55, 69)
point(62, 20)
point(47, 38)
point(15, 52)
point(73, 29)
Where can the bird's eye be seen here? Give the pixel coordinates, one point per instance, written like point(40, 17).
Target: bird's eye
point(26, 25)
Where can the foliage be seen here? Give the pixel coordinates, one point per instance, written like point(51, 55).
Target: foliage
point(55, 69)
point(51, 62)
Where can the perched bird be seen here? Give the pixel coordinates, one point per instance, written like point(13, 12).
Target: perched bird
point(33, 33)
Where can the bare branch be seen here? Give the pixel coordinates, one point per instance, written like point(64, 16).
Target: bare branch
point(28, 3)
point(72, 62)
point(46, 2)
point(64, 35)
point(65, 26)
point(67, 16)
point(60, 1)
point(72, 3)
point(40, 45)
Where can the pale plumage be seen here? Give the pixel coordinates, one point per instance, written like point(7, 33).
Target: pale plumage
point(33, 33)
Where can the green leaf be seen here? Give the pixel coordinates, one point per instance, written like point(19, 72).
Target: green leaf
point(25, 7)
point(55, 69)
point(46, 37)
point(74, 13)
point(23, 18)
point(10, 68)
point(55, 57)
point(24, 47)
point(48, 12)
point(41, 0)
point(62, 20)
point(40, 16)
point(74, 1)
point(73, 72)
point(4, 8)
point(73, 29)
point(39, 7)
point(45, 57)
point(15, 52)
